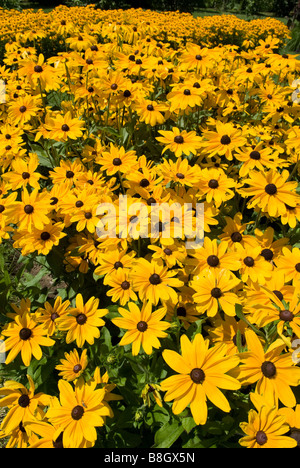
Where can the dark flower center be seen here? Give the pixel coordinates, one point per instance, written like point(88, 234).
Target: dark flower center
point(118, 265)
point(25, 334)
point(79, 204)
point(69, 174)
point(297, 267)
point(54, 316)
point(286, 315)
point(249, 261)
point(216, 293)
point(243, 340)
point(271, 189)
point(45, 236)
point(127, 93)
point(255, 155)
point(28, 209)
point(155, 279)
point(117, 162)
point(142, 326)
point(178, 139)
point(168, 251)
point(179, 175)
point(77, 412)
point(144, 183)
point(187, 92)
point(213, 184)
point(198, 57)
point(38, 69)
point(213, 260)
point(236, 237)
point(24, 401)
point(88, 215)
point(77, 368)
point(197, 375)
point(65, 128)
point(125, 285)
point(268, 254)
point(261, 438)
point(26, 175)
point(81, 319)
point(150, 107)
point(225, 140)
point(268, 369)
point(2, 208)
point(23, 109)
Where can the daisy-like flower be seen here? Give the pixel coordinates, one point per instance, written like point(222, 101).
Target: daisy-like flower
point(179, 172)
point(223, 141)
point(32, 211)
point(270, 191)
point(201, 372)
point(179, 142)
point(23, 173)
point(78, 412)
point(121, 288)
point(50, 313)
point(82, 322)
point(215, 186)
point(63, 127)
point(25, 336)
point(213, 291)
point(153, 281)
point(151, 112)
point(267, 427)
point(116, 160)
point(272, 372)
point(144, 327)
point(24, 405)
point(213, 256)
point(234, 233)
point(23, 109)
point(73, 365)
point(40, 240)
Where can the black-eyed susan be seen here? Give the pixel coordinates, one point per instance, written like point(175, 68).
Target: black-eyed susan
point(270, 191)
point(144, 327)
point(201, 372)
point(153, 281)
point(51, 312)
point(267, 427)
point(24, 404)
point(223, 141)
point(72, 365)
point(215, 186)
point(215, 292)
point(120, 287)
point(117, 160)
point(24, 335)
point(179, 142)
point(83, 322)
point(272, 372)
point(78, 412)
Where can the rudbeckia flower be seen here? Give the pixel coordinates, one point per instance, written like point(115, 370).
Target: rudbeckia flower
point(153, 281)
point(73, 365)
point(144, 327)
point(214, 291)
point(25, 336)
point(179, 142)
point(201, 372)
point(272, 372)
point(83, 321)
point(270, 191)
point(78, 412)
point(24, 404)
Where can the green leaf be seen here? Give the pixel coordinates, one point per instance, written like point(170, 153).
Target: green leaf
point(167, 435)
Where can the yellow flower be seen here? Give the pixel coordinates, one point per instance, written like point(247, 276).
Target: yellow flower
point(201, 371)
point(144, 327)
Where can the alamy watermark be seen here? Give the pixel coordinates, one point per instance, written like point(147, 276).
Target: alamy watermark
point(2, 92)
point(2, 352)
point(135, 219)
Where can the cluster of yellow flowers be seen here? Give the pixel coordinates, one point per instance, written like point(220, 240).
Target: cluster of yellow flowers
point(148, 106)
